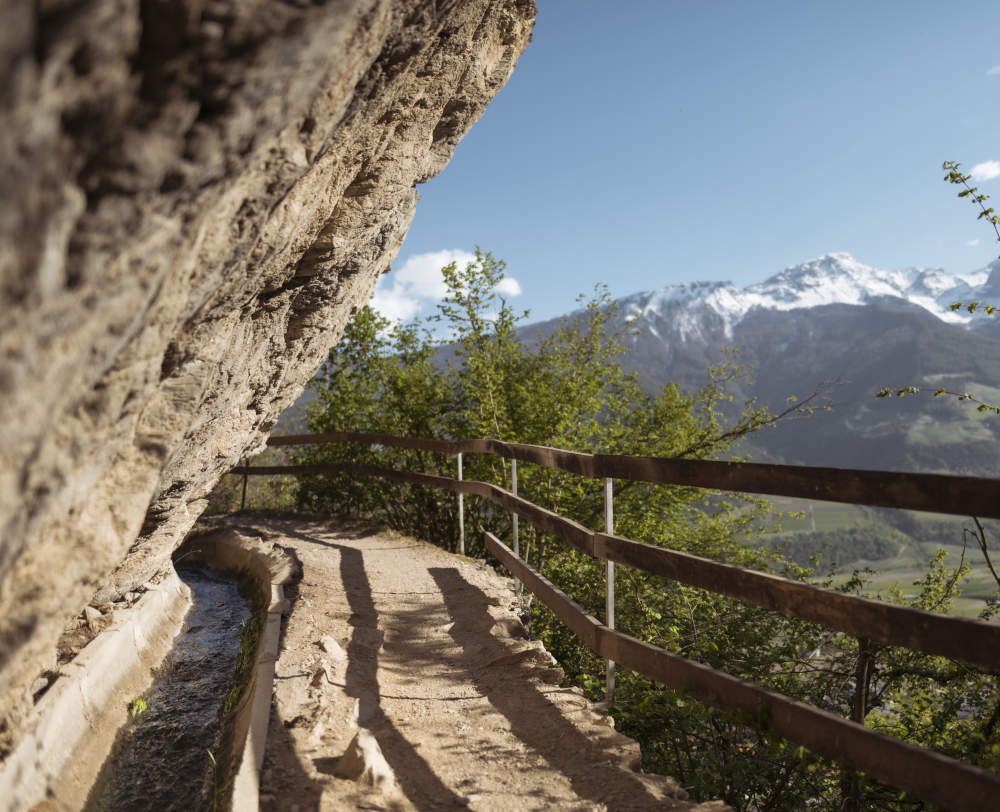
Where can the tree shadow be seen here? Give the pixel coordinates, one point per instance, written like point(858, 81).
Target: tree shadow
point(416, 778)
point(589, 766)
point(458, 656)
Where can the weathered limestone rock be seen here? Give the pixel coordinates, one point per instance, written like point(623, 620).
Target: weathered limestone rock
point(363, 762)
point(194, 196)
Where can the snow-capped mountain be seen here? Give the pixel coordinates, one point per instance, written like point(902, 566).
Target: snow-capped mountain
point(835, 319)
point(836, 278)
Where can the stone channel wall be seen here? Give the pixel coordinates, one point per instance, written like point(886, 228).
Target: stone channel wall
point(194, 197)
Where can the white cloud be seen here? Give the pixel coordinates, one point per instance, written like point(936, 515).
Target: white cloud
point(987, 170)
point(392, 304)
point(402, 293)
point(973, 242)
point(994, 71)
point(508, 286)
point(420, 275)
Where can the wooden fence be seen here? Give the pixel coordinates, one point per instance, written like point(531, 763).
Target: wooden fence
point(922, 772)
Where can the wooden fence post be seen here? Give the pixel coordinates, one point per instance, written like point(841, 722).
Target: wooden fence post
point(852, 799)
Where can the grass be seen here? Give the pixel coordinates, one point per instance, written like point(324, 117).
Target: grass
point(137, 707)
point(969, 428)
point(216, 791)
point(961, 424)
point(926, 533)
point(827, 515)
point(232, 698)
point(249, 638)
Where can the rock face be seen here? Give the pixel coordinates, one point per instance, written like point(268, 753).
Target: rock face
point(194, 197)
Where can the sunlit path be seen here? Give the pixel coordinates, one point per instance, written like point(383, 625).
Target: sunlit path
point(423, 649)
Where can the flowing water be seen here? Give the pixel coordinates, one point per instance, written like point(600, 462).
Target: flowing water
point(161, 760)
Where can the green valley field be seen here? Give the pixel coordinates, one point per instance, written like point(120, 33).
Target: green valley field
point(894, 545)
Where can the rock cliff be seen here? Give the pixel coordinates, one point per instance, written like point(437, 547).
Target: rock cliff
point(194, 197)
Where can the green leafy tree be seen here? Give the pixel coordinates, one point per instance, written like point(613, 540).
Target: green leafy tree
point(955, 176)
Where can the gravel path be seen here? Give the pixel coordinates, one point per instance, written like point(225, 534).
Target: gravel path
point(423, 650)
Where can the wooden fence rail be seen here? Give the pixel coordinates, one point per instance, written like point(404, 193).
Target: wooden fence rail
point(939, 493)
point(971, 641)
point(924, 773)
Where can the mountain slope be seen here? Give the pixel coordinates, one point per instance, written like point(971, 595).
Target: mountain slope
point(836, 324)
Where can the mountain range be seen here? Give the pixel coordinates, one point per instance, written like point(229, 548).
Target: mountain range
point(836, 326)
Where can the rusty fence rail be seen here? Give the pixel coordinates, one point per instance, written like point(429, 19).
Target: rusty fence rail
point(925, 773)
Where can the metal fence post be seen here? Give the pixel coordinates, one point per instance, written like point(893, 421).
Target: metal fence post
point(461, 511)
point(609, 595)
point(513, 515)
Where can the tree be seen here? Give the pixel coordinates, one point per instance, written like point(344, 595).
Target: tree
point(957, 177)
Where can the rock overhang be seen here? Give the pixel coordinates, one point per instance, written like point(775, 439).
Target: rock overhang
point(197, 196)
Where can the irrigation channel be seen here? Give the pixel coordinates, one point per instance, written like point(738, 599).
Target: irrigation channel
point(171, 755)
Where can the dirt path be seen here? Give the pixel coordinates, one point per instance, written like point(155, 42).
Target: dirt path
point(423, 650)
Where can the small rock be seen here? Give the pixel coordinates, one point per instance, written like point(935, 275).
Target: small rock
point(508, 627)
point(39, 684)
point(333, 648)
point(318, 731)
point(100, 623)
point(552, 676)
point(91, 613)
point(364, 763)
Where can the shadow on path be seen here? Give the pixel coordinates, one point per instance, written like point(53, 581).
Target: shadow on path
point(417, 780)
point(533, 718)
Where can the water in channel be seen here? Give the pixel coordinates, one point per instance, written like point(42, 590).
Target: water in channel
point(161, 759)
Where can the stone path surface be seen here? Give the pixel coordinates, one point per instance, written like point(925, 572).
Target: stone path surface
point(404, 681)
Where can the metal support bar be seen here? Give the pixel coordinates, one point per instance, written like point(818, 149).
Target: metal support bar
point(461, 510)
point(609, 595)
point(514, 517)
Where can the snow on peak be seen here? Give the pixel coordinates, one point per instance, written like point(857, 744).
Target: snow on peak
point(835, 278)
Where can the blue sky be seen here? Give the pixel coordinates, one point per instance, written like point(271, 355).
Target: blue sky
point(641, 144)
